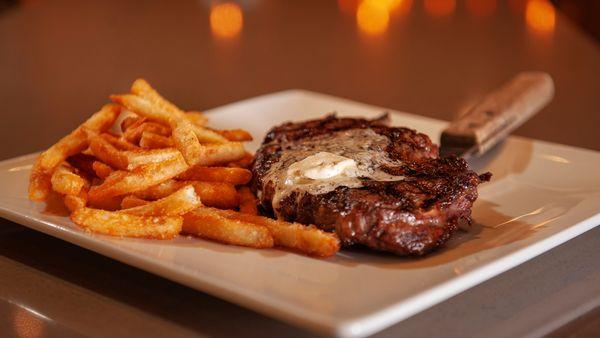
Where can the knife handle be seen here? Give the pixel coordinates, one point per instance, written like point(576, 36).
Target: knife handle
point(499, 113)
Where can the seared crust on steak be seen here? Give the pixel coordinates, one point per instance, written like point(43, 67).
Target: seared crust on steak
point(411, 216)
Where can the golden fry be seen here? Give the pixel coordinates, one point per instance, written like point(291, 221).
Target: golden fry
point(106, 203)
point(196, 118)
point(107, 153)
point(66, 181)
point(305, 239)
point(176, 204)
point(75, 202)
point(216, 194)
point(124, 182)
point(244, 162)
point(130, 121)
point(143, 89)
point(161, 190)
point(239, 135)
point(207, 223)
point(126, 225)
point(119, 143)
point(235, 176)
point(208, 136)
point(101, 169)
point(248, 203)
point(129, 159)
point(221, 153)
point(132, 201)
point(155, 141)
point(39, 182)
point(69, 145)
point(139, 158)
point(134, 134)
point(212, 194)
point(183, 134)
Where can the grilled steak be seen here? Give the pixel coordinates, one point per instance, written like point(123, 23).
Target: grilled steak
point(396, 194)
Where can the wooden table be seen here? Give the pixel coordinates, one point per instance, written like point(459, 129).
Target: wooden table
point(61, 59)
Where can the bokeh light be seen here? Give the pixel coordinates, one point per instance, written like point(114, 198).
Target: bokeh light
point(540, 16)
point(481, 8)
point(399, 6)
point(226, 20)
point(440, 8)
point(373, 17)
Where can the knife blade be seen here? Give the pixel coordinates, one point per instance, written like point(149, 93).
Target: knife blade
point(495, 116)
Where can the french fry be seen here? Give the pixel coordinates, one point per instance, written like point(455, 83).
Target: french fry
point(39, 182)
point(107, 153)
point(215, 154)
point(235, 176)
point(132, 201)
point(244, 162)
point(130, 121)
point(183, 134)
point(75, 202)
point(247, 201)
point(176, 204)
point(239, 135)
point(124, 182)
point(129, 160)
point(111, 203)
point(66, 181)
point(143, 89)
point(119, 143)
point(101, 169)
point(127, 225)
point(139, 158)
point(208, 136)
point(216, 194)
point(161, 190)
point(213, 194)
point(296, 236)
point(134, 134)
point(207, 223)
point(155, 141)
point(69, 145)
point(196, 118)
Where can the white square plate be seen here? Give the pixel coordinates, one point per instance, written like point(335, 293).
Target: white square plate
point(540, 196)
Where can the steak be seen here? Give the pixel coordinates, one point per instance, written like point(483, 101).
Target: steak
point(405, 199)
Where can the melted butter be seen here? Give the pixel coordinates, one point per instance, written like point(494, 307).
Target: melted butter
point(309, 165)
point(321, 166)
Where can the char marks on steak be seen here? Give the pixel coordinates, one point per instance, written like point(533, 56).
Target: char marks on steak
point(409, 216)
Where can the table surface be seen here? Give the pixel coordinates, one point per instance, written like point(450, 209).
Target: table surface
point(61, 59)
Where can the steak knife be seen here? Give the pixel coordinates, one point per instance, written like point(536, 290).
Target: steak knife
point(495, 116)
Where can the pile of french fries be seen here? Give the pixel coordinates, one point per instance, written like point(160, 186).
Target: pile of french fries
point(142, 167)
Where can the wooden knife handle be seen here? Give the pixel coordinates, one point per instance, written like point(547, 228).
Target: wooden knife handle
point(500, 112)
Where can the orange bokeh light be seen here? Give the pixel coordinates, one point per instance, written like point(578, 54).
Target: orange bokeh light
point(481, 8)
point(540, 15)
point(373, 17)
point(399, 6)
point(226, 20)
point(439, 8)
